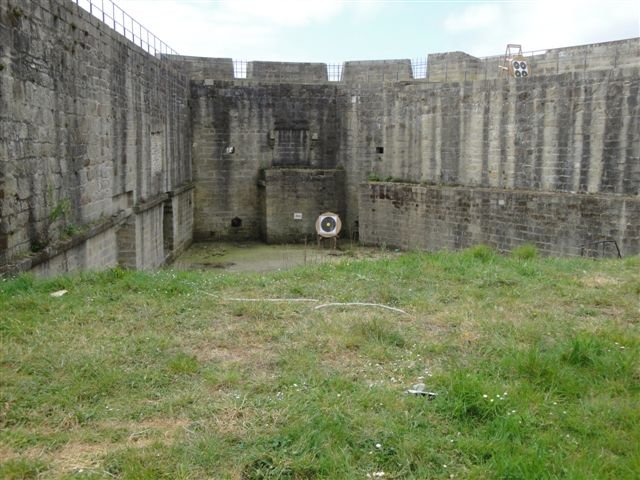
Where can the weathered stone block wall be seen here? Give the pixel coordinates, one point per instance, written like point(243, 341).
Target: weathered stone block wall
point(460, 67)
point(182, 220)
point(97, 252)
point(201, 68)
point(97, 138)
point(306, 192)
point(241, 128)
point(287, 72)
point(434, 218)
point(149, 237)
point(567, 133)
point(377, 71)
point(91, 125)
point(570, 132)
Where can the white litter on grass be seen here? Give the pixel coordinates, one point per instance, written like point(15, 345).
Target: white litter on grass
point(419, 389)
point(59, 293)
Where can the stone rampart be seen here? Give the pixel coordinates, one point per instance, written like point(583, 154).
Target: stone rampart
point(435, 218)
point(92, 126)
point(98, 140)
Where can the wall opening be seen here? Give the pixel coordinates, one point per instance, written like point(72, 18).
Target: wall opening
point(126, 243)
point(167, 227)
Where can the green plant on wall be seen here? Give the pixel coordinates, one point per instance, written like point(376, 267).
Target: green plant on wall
point(17, 12)
point(60, 211)
point(59, 214)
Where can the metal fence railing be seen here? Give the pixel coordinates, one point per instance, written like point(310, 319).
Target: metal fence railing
point(419, 67)
point(334, 70)
point(541, 62)
point(116, 18)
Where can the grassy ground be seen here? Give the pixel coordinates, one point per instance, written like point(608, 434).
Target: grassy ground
point(145, 376)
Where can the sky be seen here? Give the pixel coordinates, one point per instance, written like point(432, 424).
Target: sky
point(333, 31)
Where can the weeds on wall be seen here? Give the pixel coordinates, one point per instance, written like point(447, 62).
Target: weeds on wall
point(57, 224)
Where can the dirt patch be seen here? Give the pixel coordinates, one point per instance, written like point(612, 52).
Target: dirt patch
point(76, 456)
point(598, 281)
point(7, 453)
point(79, 456)
point(251, 354)
point(258, 257)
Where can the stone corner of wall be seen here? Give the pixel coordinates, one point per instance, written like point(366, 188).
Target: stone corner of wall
point(287, 72)
point(202, 68)
point(377, 70)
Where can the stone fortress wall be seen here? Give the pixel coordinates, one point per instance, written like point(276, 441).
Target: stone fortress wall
point(96, 145)
point(114, 156)
point(553, 159)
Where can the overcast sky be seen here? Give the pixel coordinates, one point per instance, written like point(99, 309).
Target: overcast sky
point(337, 30)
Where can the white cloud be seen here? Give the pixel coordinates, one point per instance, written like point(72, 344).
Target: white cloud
point(542, 24)
point(290, 13)
point(279, 29)
point(474, 17)
point(229, 28)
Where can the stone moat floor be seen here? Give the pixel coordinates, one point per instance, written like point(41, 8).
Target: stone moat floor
point(260, 257)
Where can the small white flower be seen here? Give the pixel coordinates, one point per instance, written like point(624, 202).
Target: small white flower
point(485, 396)
point(378, 445)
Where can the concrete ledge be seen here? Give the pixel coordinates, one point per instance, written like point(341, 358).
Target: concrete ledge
point(287, 72)
point(149, 204)
point(377, 71)
point(202, 68)
point(181, 189)
point(60, 247)
point(433, 218)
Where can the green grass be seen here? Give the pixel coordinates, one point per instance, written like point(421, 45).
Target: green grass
point(136, 375)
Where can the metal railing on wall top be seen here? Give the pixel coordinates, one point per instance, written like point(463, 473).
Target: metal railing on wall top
point(120, 21)
point(116, 18)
